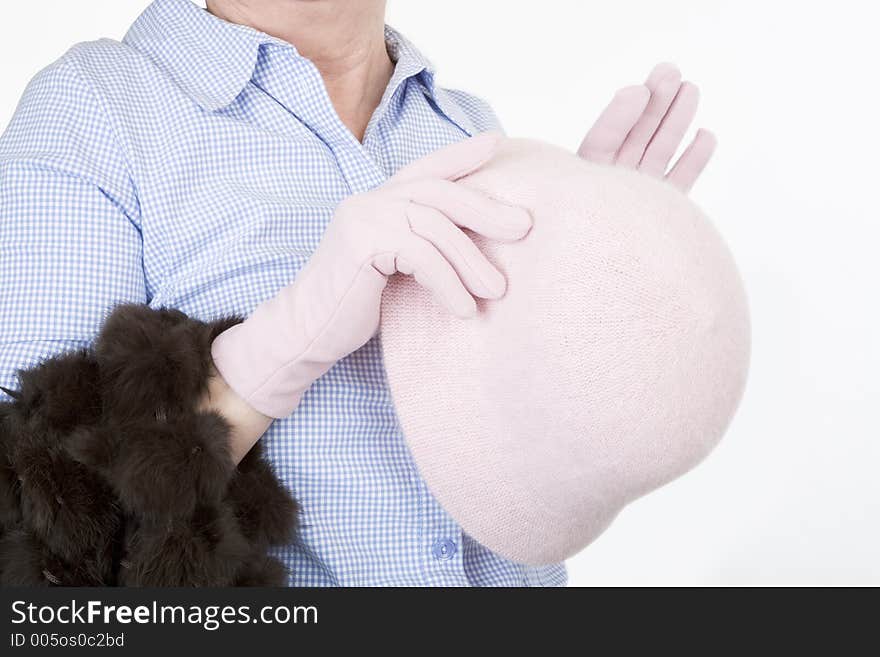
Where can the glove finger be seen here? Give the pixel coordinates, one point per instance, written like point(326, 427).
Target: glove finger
point(671, 131)
point(663, 93)
point(453, 161)
point(479, 276)
point(432, 271)
point(658, 73)
point(608, 134)
point(692, 162)
point(471, 209)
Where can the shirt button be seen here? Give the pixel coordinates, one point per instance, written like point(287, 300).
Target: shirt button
point(444, 549)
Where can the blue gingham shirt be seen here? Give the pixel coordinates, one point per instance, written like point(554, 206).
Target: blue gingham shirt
point(195, 165)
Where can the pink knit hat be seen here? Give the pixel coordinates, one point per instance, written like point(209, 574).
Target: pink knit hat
point(613, 364)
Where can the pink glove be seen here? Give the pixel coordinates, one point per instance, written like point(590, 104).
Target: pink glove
point(643, 126)
point(412, 225)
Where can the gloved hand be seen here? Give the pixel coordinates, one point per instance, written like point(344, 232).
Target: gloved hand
point(643, 126)
point(412, 225)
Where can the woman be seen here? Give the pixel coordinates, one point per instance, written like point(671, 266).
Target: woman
point(204, 160)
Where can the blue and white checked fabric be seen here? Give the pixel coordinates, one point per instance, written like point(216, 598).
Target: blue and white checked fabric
point(195, 165)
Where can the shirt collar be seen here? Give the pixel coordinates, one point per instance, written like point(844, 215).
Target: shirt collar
point(408, 61)
point(209, 58)
point(212, 60)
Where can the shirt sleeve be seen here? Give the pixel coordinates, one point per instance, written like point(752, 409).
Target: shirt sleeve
point(70, 239)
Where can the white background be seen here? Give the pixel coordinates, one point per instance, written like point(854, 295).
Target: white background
point(791, 496)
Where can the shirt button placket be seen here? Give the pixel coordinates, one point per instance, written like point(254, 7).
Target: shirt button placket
point(444, 549)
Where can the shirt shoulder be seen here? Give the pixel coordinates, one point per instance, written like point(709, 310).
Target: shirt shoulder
point(112, 69)
point(477, 110)
point(63, 122)
point(69, 96)
point(101, 74)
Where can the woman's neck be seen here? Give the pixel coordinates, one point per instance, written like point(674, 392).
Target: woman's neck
point(344, 39)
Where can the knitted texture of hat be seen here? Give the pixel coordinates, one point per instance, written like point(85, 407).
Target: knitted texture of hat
point(613, 364)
